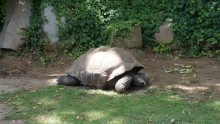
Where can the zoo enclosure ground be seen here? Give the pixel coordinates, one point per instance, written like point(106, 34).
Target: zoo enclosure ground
point(196, 78)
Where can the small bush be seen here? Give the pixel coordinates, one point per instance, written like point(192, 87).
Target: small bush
point(90, 23)
point(196, 25)
point(162, 49)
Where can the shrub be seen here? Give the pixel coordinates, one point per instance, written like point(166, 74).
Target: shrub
point(196, 24)
point(89, 23)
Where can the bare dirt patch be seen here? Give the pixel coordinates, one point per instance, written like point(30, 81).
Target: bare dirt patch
point(197, 78)
point(200, 82)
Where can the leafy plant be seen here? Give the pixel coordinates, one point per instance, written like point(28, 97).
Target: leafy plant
point(84, 27)
point(36, 38)
point(196, 25)
point(87, 23)
point(181, 69)
point(162, 49)
point(91, 23)
point(35, 31)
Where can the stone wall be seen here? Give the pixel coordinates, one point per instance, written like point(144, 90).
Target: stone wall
point(17, 21)
point(165, 35)
point(133, 40)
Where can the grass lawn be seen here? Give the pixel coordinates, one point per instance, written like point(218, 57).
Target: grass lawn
point(66, 105)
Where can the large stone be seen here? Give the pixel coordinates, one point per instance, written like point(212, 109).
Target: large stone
point(17, 16)
point(133, 40)
point(50, 27)
point(165, 35)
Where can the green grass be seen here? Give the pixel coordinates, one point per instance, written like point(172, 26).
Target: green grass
point(66, 105)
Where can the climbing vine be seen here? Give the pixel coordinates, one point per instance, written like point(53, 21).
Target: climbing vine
point(90, 23)
point(35, 34)
point(35, 31)
point(85, 28)
point(196, 24)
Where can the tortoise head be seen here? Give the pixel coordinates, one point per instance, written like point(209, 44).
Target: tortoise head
point(67, 80)
point(140, 79)
point(139, 82)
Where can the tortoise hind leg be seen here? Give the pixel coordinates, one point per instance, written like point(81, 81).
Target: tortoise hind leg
point(68, 81)
point(123, 83)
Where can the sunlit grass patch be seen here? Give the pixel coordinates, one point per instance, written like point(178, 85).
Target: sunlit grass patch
point(94, 115)
point(102, 92)
point(67, 105)
point(52, 119)
point(215, 105)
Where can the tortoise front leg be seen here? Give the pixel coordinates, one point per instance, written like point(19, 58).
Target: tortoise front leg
point(123, 83)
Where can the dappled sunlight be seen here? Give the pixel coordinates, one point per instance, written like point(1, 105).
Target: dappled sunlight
point(118, 120)
point(46, 101)
point(52, 79)
point(102, 92)
point(51, 119)
point(215, 105)
point(174, 98)
point(100, 61)
point(190, 89)
point(55, 75)
point(68, 112)
point(217, 84)
point(95, 115)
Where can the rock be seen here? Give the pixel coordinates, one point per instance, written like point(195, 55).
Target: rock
point(50, 27)
point(165, 35)
point(133, 40)
point(17, 16)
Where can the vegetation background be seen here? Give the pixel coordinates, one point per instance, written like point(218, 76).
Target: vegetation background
point(89, 23)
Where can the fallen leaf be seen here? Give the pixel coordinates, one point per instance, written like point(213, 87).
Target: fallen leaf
point(172, 121)
point(61, 88)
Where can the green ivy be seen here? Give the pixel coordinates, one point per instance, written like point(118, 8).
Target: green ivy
point(196, 25)
point(84, 28)
point(162, 49)
point(151, 14)
point(36, 38)
point(35, 31)
point(90, 23)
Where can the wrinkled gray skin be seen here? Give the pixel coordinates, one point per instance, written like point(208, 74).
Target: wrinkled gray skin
point(123, 82)
point(105, 68)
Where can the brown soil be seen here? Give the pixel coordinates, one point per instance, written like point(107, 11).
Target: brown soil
point(201, 83)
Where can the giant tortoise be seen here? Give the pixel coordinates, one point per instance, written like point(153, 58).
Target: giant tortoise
point(105, 68)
